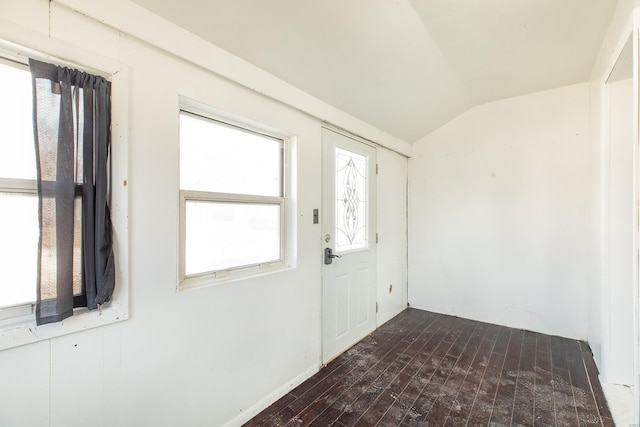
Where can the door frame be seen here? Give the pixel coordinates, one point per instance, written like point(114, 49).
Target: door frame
point(358, 139)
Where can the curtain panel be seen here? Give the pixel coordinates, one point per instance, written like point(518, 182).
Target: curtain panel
point(72, 114)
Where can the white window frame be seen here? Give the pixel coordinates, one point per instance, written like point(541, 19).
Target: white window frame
point(17, 323)
point(286, 258)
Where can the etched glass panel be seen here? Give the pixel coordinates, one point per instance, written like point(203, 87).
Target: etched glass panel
point(351, 201)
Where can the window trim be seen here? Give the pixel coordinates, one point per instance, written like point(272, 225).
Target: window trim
point(21, 186)
point(234, 126)
point(203, 196)
point(284, 201)
point(17, 322)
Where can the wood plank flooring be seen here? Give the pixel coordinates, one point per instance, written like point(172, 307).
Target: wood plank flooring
point(427, 369)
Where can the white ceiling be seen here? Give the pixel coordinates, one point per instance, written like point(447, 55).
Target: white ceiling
point(405, 66)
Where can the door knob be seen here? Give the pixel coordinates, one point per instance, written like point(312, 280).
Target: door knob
point(329, 255)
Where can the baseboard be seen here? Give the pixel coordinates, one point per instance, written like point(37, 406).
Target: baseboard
point(620, 401)
point(265, 402)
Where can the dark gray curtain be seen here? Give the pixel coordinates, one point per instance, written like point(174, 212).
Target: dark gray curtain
point(72, 114)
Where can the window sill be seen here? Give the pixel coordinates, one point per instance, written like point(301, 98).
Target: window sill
point(23, 330)
point(212, 279)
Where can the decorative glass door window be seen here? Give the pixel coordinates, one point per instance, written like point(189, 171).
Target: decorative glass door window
point(351, 201)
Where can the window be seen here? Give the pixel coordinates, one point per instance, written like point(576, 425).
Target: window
point(18, 196)
point(72, 135)
point(24, 305)
point(232, 199)
point(351, 201)
point(56, 246)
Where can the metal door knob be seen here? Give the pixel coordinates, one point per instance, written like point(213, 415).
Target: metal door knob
point(329, 255)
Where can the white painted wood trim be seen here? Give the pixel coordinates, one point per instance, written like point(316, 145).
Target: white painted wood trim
point(619, 398)
point(265, 402)
point(636, 217)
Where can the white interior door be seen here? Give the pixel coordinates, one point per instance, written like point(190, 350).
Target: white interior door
point(349, 243)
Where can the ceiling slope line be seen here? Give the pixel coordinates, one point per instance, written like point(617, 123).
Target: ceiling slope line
point(131, 19)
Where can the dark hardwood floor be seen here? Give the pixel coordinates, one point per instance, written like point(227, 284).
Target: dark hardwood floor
point(422, 368)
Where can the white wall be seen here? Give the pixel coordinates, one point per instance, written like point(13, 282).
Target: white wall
point(613, 288)
point(392, 232)
point(618, 33)
point(611, 317)
point(207, 356)
point(617, 354)
point(498, 214)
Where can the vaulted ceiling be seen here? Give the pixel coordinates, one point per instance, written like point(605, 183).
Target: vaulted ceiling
point(405, 66)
